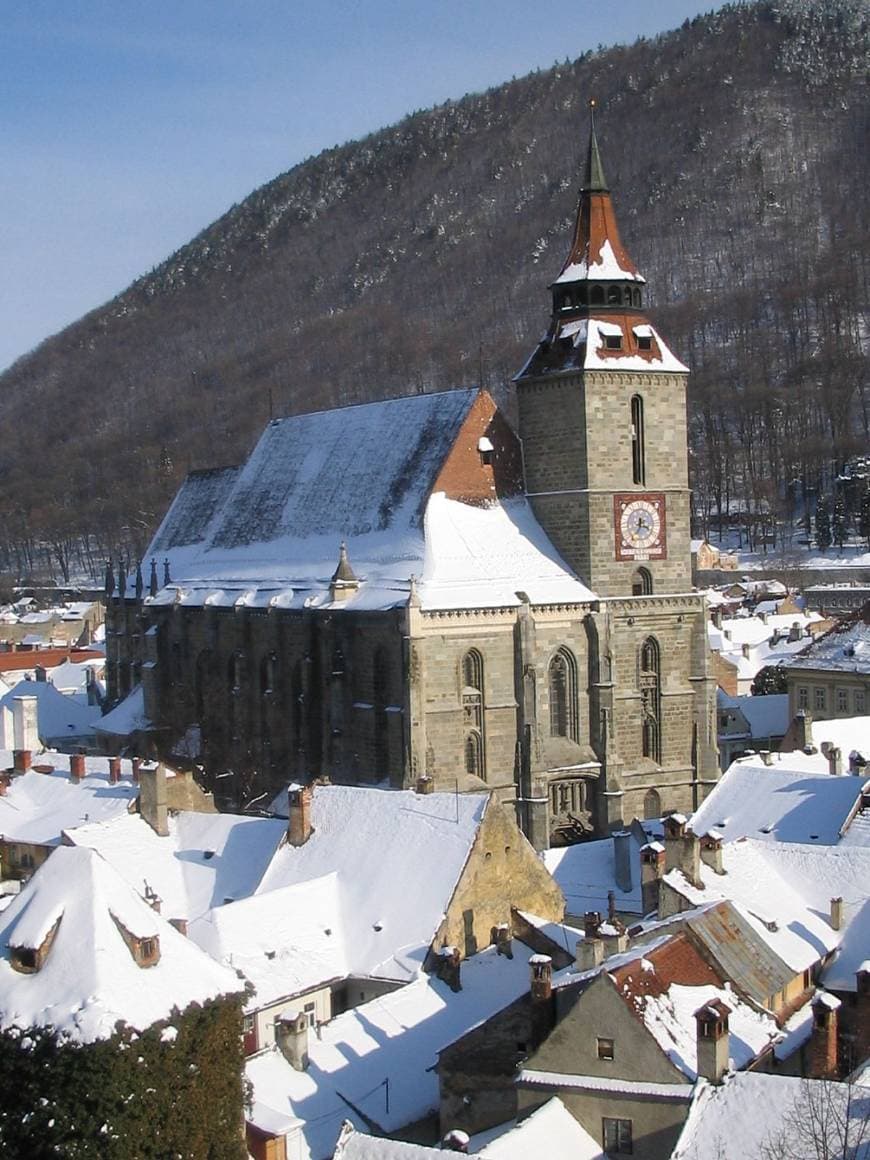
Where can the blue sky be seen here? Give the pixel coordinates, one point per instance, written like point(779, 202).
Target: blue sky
point(128, 125)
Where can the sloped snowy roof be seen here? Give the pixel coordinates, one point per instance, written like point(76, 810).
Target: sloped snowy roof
point(779, 914)
point(394, 1039)
point(587, 872)
point(751, 1112)
point(354, 1145)
point(89, 980)
point(284, 942)
point(57, 716)
point(778, 803)
point(127, 717)
point(424, 839)
point(844, 649)
point(203, 861)
point(38, 807)
point(550, 1131)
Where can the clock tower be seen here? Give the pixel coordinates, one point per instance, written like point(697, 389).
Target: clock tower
point(602, 412)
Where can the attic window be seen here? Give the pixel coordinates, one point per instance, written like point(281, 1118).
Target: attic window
point(28, 960)
point(644, 342)
point(486, 449)
point(613, 341)
point(605, 1048)
point(145, 949)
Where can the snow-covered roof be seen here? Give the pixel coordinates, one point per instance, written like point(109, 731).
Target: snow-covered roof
point(420, 838)
point(284, 942)
point(778, 912)
point(127, 717)
point(89, 979)
point(666, 985)
point(57, 716)
point(205, 859)
point(268, 534)
point(586, 873)
point(394, 1039)
point(602, 265)
point(766, 716)
point(550, 1131)
point(778, 803)
point(845, 649)
point(38, 807)
point(751, 1112)
point(354, 1145)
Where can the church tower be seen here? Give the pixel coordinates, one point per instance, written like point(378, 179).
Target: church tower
point(602, 415)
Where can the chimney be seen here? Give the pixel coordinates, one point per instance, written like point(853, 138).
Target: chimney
point(835, 760)
point(821, 1051)
point(39, 674)
point(114, 770)
point(153, 797)
point(613, 936)
point(456, 1141)
point(857, 764)
point(501, 936)
point(591, 923)
point(862, 982)
point(425, 784)
point(795, 632)
point(137, 765)
point(541, 978)
point(711, 1022)
point(25, 735)
point(800, 731)
point(448, 966)
point(744, 648)
point(291, 1035)
point(622, 843)
point(589, 954)
point(762, 616)
point(77, 767)
point(766, 757)
point(299, 828)
point(711, 851)
point(652, 871)
point(836, 914)
point(716, 616)
point(682, 848)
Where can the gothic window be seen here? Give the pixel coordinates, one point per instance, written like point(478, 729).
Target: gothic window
point(235, 673)
point(652, 804)
point(650, 694)
point(638, 464)
point(201, 677)
point(626, 296)
point(613, 296)
point(381, 691)
point(297, 705)
point(641, 583)
point(637, 297)
point(472, 712)
point(563, 695)
point(267, 674)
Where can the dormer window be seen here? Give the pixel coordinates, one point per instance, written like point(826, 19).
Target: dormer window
point(486, 449)
point(613, 341)
point(28, 960)
point(145, 949)
point(644, 342)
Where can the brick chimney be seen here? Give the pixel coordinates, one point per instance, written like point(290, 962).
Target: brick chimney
point(425, 784)
point(153, 797)
point(857, 764)
point(821, 1050)
point(711, 851)
point(622, 843)
point(652, 871)
point(291, 1035)
point(114, 770)
point(682, 849)
point(711, 1022)
point(836, 914)
point(835, 759)
point(541, 978)
point(77, 767)
point(299, 828)
point(448, 967)
point(137, 765)
point(501, 937)
point(795, 632)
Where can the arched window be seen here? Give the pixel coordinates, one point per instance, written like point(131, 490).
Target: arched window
point(472, 712)
point(596, 296)
point(650, 694)
point(563, 695)
point(235, 672)
point(641, 583)
point(267, 674)
point(637, 298)
point(626, 296)
point(614, 297)
point(638, 464)
point(652, 804)
point(381, 692)
point(202, 675)
point(297, 706)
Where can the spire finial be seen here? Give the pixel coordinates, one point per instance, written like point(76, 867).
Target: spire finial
point(594, 180)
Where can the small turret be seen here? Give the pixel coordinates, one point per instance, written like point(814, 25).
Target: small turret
point(152, 583)
point(344, 580)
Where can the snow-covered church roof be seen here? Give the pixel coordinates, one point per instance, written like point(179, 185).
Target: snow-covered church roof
point(428, 486)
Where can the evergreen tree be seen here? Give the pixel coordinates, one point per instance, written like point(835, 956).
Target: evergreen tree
point(839, 522)
point(823, 524)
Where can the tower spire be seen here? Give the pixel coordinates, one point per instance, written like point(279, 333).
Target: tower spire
point(594, 181)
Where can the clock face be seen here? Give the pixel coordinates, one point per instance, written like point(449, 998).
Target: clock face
point(639, 525)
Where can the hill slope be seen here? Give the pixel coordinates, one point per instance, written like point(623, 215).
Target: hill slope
point(419, 257)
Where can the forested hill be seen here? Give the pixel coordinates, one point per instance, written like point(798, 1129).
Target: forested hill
point(418, 259)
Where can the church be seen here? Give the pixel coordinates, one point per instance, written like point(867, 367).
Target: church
point(412, 593)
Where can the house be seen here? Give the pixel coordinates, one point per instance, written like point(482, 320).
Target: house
point(744, 645)
point(831, 677)
point(750, 723)
point(65, 722)
point(94, 982)
point(394, 591)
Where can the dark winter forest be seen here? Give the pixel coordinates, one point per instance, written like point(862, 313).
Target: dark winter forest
point(418, 259)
